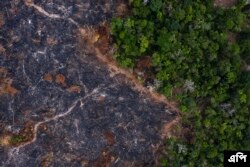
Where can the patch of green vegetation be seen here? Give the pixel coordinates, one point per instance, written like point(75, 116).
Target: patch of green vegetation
point(16, 139)
point(193, 49)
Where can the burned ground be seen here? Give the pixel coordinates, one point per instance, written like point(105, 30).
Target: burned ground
point(59, 104)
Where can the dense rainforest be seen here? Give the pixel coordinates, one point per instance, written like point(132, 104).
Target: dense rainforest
point(200, 57)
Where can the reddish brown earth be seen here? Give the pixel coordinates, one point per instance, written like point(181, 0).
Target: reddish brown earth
point(225, 3)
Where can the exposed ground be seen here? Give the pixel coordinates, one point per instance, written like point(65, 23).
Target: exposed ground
point(225, 3)
point(63, 100)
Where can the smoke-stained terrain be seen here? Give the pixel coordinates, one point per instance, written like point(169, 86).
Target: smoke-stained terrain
point(59, 105)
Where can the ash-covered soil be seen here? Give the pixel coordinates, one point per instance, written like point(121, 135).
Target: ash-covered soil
point(59, 104)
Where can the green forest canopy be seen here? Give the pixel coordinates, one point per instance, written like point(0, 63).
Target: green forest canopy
point(201, 50)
